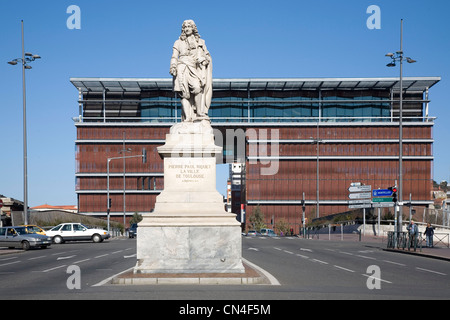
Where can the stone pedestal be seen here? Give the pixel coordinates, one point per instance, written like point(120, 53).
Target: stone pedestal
point(189, 230)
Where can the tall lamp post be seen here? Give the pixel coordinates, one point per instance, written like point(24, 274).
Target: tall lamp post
point(26, 58)
point(123, 151)
point(398, 56)
point(108, 205)
point(317, 141)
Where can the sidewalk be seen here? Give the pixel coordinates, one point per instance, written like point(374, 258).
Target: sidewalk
point(442, 253)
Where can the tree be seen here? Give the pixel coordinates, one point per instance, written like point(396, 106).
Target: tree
point(136, 218)
point(441, 186)
point(282, 226)
point(257, 219)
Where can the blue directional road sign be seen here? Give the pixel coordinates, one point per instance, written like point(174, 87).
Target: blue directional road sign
point(381, 193)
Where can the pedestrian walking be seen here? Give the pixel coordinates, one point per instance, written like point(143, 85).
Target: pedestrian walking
point(429, 232)
point(413, 233)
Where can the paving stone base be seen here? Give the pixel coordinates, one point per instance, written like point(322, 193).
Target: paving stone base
point(250, 277)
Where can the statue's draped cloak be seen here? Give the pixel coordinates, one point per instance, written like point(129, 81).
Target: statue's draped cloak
point(187, 58)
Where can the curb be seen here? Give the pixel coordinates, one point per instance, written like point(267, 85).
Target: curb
point(426, 255)
point(188, 281)
point(254, 276)
point(4, 251)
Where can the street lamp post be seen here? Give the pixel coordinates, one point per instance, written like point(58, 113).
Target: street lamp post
point(108, 204)
point(398, 56)
point(26, 58)
point(317, 141)
point(123, 151)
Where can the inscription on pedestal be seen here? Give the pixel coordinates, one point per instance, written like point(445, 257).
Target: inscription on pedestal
point(189, 173)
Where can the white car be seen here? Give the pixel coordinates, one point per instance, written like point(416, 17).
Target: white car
point(76, 231)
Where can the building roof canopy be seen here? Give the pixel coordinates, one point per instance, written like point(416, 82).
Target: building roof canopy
point(410, 84)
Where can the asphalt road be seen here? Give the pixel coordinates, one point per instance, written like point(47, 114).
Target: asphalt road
point(306, 269)
point(321, 269)
point(44, 273)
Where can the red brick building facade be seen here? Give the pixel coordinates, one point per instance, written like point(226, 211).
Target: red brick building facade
point(274, 126)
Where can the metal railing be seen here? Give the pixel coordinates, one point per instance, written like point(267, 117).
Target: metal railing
point(443, 238)
point(404, 240)
point(253, 119)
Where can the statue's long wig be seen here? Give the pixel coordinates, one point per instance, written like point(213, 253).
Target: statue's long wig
point(194, 29)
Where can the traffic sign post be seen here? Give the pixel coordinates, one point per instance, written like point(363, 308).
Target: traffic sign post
point(387, 199)
point(360, 206)
point(360, 195)
point(382, 204)
point(361, 201)
point(360, 188)
point(382, 193)
point(303, 216)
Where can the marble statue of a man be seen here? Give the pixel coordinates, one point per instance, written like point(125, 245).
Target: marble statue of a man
point(191, 68)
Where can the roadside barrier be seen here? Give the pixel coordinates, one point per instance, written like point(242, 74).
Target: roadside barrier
point(404, 240)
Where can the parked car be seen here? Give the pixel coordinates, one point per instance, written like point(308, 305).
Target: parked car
point(76, 231)
point(30, 228)
point(18, 237)
point(132, 232)
point(253, 233)
point(268, 233)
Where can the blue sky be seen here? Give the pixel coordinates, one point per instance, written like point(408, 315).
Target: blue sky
point(133, 38)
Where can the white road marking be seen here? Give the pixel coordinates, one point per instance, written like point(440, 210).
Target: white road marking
point(76, 262)
point(443, 274)
point(37, 258)
point(365, 251)
point(320, 261)
point(396, 263)
point(379, 279)
point(345, 269)
point(58, 253)
point(64, 258)
point(272, 279)
point(8, 263)
point(51, 269)
point(107, 280)
point(365, 257)
point(9, 258)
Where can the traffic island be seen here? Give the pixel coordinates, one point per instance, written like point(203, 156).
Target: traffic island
point(251, 276)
